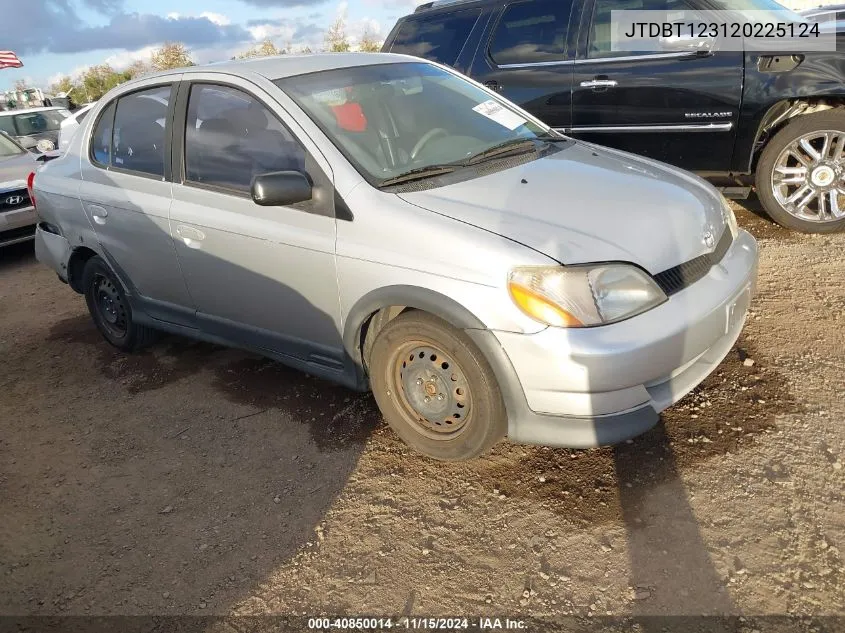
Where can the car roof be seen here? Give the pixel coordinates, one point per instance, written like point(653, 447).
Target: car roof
point(830, 8)
point(28, 110)
point(291, 65)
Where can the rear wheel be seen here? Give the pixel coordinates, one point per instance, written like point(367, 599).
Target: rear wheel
point(110, 309)
point(801, 173)
point(435, 388)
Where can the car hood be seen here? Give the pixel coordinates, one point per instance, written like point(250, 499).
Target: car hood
point(590, 204)
point(15, 169)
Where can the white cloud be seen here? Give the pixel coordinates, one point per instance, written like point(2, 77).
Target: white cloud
point(216, 18)
point(125, 59)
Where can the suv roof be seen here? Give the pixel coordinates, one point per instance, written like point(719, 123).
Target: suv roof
point(28, 110)
point(445, 4)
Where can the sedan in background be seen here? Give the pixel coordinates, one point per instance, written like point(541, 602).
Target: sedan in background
point(36, 129)
point(17, 214)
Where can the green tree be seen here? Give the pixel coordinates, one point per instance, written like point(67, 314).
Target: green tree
point(336, 39)
point(98, 80)
point(138, 68)
point(63, 85)
point(370, 42)
point(171, 55)
point(265, 49)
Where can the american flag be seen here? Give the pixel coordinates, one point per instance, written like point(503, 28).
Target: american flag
point(9, 60)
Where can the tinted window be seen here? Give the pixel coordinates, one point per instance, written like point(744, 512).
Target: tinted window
point(531, 32)
point(101, 139)
point(600, 31)
point(439, 38)
point(139, 131)
point(231, 137)
point(7, 125)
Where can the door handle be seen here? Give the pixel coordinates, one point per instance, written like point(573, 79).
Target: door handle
point(599, 83)
point(98, 213)
point(190, 236)
point(494, 85)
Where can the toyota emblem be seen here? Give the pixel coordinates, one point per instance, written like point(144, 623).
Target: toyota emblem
point(14, 200)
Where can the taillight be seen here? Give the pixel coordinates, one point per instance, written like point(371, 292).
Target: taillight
point(30, 181)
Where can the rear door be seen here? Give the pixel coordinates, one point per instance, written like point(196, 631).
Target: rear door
point(126, 194)
point(527, 57)
point(678, 107)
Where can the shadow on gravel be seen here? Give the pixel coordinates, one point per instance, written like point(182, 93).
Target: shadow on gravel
point(752, 218)
point(16, 255)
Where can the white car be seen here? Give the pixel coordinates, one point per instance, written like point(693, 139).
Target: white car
point(71, 124)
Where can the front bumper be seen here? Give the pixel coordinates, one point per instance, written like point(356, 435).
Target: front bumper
point(17, 226)
point(597, 386)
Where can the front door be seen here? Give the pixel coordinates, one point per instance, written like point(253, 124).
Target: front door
point(527, 58)
point(678, 107)
point(261, 276)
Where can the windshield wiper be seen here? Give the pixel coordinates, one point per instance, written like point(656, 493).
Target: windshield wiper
point(552, 138)
point(429, 171)
point(514, 145)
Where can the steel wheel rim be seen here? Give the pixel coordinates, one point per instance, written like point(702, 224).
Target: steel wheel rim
point(808, 179)
point(109, 305)
point(432, 390)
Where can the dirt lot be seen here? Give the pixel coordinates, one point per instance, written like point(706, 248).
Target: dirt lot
point(194, 479)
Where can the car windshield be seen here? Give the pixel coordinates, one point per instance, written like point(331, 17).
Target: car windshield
point(37, 122)
point(395, 119)
point(8, 147)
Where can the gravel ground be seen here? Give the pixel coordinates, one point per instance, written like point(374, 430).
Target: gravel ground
point(191, 479)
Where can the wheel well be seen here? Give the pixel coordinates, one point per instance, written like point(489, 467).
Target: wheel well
point(780, 114)
point(370, 328)
point(76, 265)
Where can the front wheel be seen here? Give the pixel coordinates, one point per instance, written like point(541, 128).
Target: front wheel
point(435, 388)
point(800, 177)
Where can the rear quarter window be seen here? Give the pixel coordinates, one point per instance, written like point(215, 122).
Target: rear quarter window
point(439, 38)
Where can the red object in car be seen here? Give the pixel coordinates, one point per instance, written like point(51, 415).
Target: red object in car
point(350, 117)
point(30, 181)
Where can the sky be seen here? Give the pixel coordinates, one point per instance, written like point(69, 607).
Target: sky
point(64, 37)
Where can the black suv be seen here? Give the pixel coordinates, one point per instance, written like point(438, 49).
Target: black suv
point(772, 121)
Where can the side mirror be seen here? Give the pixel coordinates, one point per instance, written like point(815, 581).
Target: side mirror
point(686, 44)
point(281, 189)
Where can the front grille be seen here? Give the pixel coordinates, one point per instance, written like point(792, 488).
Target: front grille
point(12, 200)
point(14, 234)
point(676, 279)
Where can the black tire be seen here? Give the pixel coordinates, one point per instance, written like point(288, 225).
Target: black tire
point(110, 309)
point(833, 120)
point(470, 417)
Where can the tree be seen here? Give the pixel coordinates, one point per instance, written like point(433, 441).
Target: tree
point(370, 42)
point(264, 49)
point(171, 55)
point(336, 38)
point(98, 80)
point(63, 85)
point(138, 68)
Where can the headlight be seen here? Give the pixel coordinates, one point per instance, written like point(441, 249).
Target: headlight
point(730, 217)
point(583, 296)
point(45, 145)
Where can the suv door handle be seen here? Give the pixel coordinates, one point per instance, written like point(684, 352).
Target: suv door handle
point(599, 83)
point(190, 236)
point(494, 85)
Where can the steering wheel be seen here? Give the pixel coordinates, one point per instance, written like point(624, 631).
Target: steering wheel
point(427, 137)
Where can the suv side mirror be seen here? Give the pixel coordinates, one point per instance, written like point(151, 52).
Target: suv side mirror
point(281, 188)
point(686, 44)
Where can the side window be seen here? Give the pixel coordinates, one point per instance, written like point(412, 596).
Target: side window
point(601, 37)
point(101, 138)
point(230, 137)
point(7, 125)
point(439, 38)
point(139, 131)
point(531, 32)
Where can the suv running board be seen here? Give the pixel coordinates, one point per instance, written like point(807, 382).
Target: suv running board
point(735, 193)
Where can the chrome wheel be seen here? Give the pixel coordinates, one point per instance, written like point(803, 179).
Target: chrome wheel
point(808, 179)
point(433, 391)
